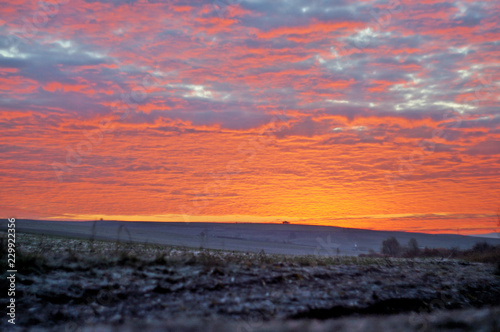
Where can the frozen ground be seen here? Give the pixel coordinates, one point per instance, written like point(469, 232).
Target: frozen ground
point(68, 284)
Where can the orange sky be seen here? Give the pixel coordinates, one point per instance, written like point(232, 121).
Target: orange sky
point(353, 114)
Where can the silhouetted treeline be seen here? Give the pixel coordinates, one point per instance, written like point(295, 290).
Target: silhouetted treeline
point(480, 252)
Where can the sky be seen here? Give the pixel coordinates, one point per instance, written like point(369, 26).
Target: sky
point(367, 114)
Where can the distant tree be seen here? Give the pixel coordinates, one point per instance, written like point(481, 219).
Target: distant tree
point(481, 247)
point(391, 247)
point(413, 249)
point(203, 239)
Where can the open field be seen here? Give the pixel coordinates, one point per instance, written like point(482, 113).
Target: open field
point(272, 238)
point(67, 284)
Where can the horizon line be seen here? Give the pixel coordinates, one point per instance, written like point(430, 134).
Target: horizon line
point(257, 222)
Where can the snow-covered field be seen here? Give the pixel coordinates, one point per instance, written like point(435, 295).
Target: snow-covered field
point(272, 238)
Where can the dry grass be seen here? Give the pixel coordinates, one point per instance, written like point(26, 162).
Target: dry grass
point(37, 253)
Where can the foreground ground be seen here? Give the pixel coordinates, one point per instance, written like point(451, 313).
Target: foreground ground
point(73, 285)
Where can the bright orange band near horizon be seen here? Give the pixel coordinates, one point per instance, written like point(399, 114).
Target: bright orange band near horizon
point(371, 115)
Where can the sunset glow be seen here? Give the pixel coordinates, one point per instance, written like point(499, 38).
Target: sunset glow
point(368, 114)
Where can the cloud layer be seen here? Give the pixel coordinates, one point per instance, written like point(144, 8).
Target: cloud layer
point(317, 111)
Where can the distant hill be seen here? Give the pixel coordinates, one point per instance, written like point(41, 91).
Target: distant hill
point(488, 235)
point(290, 239)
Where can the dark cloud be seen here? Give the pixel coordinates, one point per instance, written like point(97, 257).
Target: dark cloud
point(485, 148)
